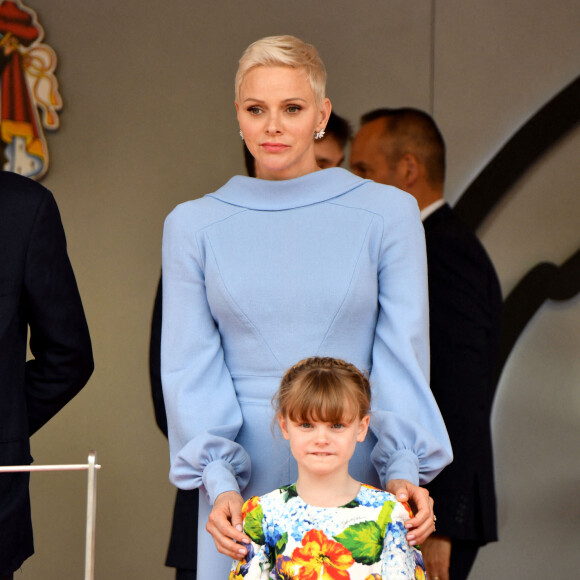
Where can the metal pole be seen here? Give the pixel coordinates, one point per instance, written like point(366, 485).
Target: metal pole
point(91, 467)
point(91, 516)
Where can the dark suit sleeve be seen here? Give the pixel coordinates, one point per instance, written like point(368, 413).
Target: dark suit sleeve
point(182, 552)
point(59, 336)
point(465, 305)
point(155, 363)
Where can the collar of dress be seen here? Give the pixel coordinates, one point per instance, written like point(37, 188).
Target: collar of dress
point(261, 194)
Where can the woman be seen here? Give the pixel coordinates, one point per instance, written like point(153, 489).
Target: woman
point(264, 272)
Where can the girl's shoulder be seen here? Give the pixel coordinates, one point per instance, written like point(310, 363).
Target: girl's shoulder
point(370, 496)
point(277, 496)
point(371, 491)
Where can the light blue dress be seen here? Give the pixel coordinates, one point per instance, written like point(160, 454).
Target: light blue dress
point(261, 274)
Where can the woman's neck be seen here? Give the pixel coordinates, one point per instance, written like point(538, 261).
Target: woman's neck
point(282, 175)
point(327, 491)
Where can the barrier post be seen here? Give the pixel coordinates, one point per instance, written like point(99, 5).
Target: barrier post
point(91, 516)
point(91, 467)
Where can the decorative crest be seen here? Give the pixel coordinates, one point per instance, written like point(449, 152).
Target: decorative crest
point(29, 99)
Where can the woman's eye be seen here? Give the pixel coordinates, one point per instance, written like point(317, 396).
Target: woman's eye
point(254, 110)
point(293, 109)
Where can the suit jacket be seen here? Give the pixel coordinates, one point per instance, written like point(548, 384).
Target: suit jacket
point(37, 291)
point(182, 552)
point(465, 313)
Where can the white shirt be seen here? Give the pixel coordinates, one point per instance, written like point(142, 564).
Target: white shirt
point(432, 208)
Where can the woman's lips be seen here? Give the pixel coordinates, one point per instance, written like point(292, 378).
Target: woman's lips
point(274, 147)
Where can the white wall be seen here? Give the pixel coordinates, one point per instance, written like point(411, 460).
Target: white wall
point(149, 121)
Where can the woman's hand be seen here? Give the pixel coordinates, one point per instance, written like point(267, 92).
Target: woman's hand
point(225, 525)
point(423, 523)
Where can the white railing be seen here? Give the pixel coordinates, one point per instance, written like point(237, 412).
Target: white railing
point(91, 467)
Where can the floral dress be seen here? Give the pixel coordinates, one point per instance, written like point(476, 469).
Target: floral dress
point(362, 540)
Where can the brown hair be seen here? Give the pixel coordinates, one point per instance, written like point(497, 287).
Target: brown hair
point(323, 389)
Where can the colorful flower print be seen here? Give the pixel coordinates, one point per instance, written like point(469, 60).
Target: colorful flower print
point(284, 568)
point(250, 505)
point(319, 554)
point(253, 517)
point(364, 539)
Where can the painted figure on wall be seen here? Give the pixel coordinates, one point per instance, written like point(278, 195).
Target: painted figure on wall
point(29, 95)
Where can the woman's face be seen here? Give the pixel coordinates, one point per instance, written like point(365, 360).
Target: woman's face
point(278, 116)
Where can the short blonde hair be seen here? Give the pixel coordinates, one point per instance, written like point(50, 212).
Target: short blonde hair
point(284, 51)
point(323, 389)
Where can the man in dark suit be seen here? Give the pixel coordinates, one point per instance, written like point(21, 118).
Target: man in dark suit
point(38, 291)
point(404, 148)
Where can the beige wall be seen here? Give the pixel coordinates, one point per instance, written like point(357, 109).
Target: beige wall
point(149, 122)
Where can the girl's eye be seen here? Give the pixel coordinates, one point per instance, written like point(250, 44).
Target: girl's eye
point(338, 426)
point(305, 425)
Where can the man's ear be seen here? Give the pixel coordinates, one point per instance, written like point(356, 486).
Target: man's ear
point(409, 170)
point(283, 426)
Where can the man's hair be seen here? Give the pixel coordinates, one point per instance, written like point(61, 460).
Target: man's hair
point(284, 51)
point(339, 129)
point(412, 131)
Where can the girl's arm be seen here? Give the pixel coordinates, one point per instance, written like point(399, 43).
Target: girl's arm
point(255, 565)
point(399, 559)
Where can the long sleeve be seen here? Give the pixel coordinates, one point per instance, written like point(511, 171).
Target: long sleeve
point(203, 414)
point(412, 439)
point(59, 336)
point(256, 564)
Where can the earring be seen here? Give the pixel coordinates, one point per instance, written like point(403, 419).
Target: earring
point(319, 134)
point(241, 135)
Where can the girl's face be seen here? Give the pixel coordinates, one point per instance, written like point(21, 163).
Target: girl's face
point(322, 448)
point(278, 116)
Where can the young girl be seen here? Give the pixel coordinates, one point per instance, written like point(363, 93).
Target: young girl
point(327, 525)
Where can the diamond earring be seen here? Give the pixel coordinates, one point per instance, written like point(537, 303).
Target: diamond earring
point(319, 134)
point(241, 135)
